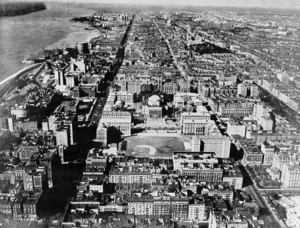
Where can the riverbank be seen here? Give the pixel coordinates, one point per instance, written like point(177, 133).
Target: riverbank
point(24, 35)
point(28, 68)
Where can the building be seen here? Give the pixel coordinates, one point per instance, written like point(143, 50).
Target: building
point(3, 123)
point(179, 207)
point(184, 85)
point(61, 118)
point(5, 206)
point(268, 152)
point(246, 90)
point(154, 101)
point(220, 145)
point(102, 134)
point(197, 211)
point(119, 120)
point(28, 182)
point(234, 177)
point(30, 205)
point(284, 157)
point(26, 151)
point(154, 112)
point(227, 219)
point(19, 112)
point(59, 76)
point(63, 135)
point(162, 206)
point(290, 177)
point(8, 176)
point(111, 208)
point(267, 123)
point(140, 206)
point(132, 86)
point(252, 153)
point(159, 206)
point(198, 166)
point(233, 107)
point(237, 128)
point(46, 160)
point(130, 175)
point(17, 207)
point(26, 125)
point(170, 88)
point(127, 97)
point(216, 189)
point(198, 127)
point(200, 115)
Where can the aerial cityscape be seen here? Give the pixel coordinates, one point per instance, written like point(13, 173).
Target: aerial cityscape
point(149, 115)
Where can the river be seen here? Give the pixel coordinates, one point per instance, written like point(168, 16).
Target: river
point(23, 35)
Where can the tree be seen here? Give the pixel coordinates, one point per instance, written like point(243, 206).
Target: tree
point(276, 196)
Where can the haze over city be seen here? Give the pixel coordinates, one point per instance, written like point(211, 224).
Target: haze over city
point(291, 4)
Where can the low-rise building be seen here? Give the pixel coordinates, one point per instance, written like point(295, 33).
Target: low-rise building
point(130, 175)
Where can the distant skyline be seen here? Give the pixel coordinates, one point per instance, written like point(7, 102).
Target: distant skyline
point(293, 4)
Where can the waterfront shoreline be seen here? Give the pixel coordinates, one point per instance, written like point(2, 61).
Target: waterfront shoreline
point(24, 35)
point(69, 41)
point(28, 68)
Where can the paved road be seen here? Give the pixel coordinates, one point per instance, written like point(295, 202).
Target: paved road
point(253, 190)
point(183, 74)
point(258, 198)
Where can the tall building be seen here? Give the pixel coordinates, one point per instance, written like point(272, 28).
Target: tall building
point(38, 181)
point(102, 134)
point(64, 118)
point(28, 182)
point(119, 120)
point(10, 122)
point(63, 136)
point(268, 152)
point(59, 76)
point(132, 86)
point(267, 123)
point(220, 145)
point(246, 89)
point(47, 160)
point(290, 177)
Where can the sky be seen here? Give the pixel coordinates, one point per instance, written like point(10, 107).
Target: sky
point(230, 3)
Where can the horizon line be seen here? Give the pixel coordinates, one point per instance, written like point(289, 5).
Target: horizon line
point(269, 4)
